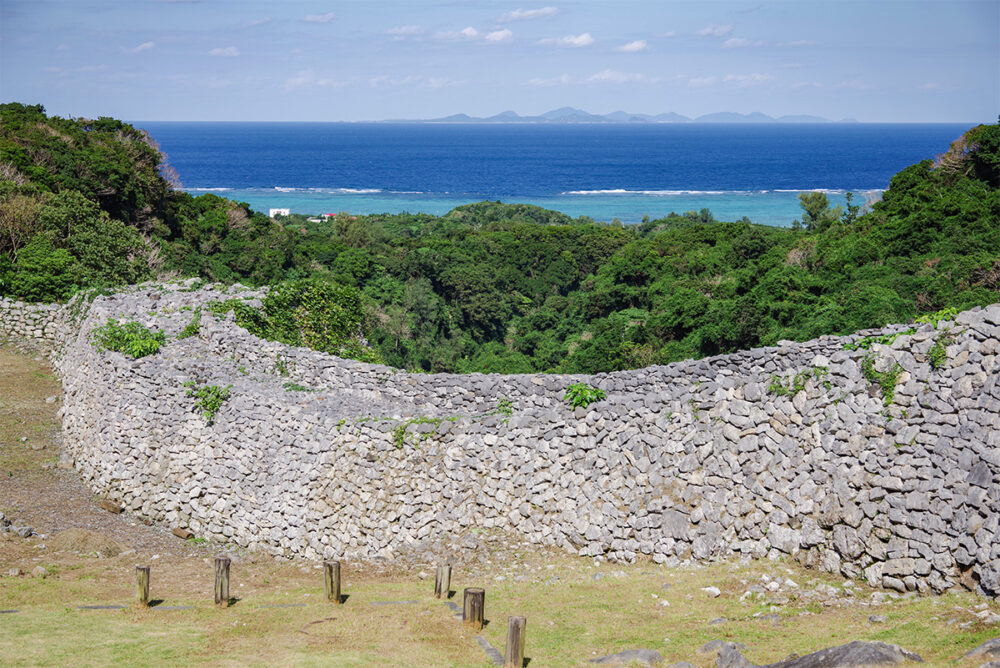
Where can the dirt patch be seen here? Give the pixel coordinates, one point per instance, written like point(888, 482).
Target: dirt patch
point(84, 541)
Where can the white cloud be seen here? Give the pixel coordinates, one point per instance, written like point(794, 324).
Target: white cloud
point(798, 42)
point(702, 82)
point(519, 14)
point(405, 31)
point(613, 76)
point(306, 78)
point(466, 34)
point(930, 85)
point(320, 18)
point(499, 36)
point(745, 80)
point(738, 42)
point(145, 46)
point(226, 52)
point(715, 31)
point(561, 80)
point(583, 39)
point(669, 33)
point(470, 34)
point(257, 22)
point(633, 47)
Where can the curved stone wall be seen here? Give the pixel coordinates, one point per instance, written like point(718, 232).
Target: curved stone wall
point(783, 450)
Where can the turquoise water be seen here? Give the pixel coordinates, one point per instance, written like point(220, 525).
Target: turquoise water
point(767, 208)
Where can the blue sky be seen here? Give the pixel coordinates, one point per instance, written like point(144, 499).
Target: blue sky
point(376, 59)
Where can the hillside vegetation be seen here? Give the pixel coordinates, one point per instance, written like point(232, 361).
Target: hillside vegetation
point(505, 287)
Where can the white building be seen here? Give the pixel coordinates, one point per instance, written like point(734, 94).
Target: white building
point(279, 212)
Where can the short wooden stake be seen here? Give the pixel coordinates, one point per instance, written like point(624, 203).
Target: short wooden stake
point(142, 586)
point(473, 606)
point(442, 581)
point(514, 654)
point(331, 578)
point(222, 581)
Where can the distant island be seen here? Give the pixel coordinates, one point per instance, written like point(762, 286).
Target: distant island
point(572, 115)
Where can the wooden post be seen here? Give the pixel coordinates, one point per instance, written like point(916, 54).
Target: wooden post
point(442, 581)
point(142, 586)
point(473, 606)
point(514, 654)
point(331, 578)
point(222, 581)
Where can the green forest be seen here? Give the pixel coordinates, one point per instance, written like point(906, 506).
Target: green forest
point(492, 287)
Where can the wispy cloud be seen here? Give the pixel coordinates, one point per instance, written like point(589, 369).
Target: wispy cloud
point(405, 31)
point(633, 47)
point(521, 14)
point(225, 52)
point(308, 78)
point(702, 82)
point(420, 81)
point(669, 34)
point(319, 18)
point(715, 31)
point(613, 76)
point(145, 46)
point(856, 84)
point(745, 80)
point(257, 22)
point(797, 42)
point(575, 41)
point(540, 82)
point(499, 36)
point(739, 42)
point(470, 34)
point(63, 72)
point(930, 85)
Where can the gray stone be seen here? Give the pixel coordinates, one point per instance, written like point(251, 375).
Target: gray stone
point(642, 657)
point(857, 654)
point(988, 650)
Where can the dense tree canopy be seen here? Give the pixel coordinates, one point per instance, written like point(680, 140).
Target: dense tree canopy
point(503, 287)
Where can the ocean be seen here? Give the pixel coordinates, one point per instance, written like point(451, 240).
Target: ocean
point(608, 171)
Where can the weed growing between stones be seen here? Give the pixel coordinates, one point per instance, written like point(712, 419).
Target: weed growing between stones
point(938, 354)
point(295, 387)
point(193, 327)
point(129, 338)
point(789, 387)
point(581, 395)
point(505, 407)
point(208, 398)
point(886, 380)
point(938, 316)
point(281, 365)
point(866, 342)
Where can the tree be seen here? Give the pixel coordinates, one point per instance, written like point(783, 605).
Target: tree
point(817, 215)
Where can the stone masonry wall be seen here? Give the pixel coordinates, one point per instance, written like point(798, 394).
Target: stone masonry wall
point(699, 459)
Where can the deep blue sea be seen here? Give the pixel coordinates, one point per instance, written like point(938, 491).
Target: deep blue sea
point(601, 171)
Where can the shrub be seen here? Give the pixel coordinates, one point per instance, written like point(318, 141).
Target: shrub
point(129, 338)
point(208, 398)
point(581, 395)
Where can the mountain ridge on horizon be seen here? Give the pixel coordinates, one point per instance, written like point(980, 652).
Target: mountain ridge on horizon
point(573, 115)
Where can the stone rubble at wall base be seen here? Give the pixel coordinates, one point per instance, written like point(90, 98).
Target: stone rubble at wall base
point(699, 459)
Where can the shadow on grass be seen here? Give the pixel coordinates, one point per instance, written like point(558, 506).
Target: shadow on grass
point(153, 602)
